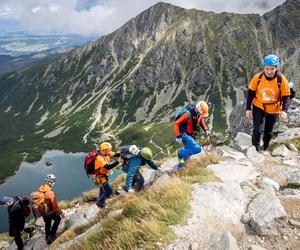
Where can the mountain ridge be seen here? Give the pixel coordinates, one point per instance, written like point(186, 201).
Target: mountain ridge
point(128, 85)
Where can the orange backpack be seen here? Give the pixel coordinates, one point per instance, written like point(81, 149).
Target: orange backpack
point(40, 206)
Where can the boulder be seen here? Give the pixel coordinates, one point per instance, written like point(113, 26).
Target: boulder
point(254, 156)
point(290, 191)
point(235, 172)
point(291, 205)
point(169, 165)
point(280, 151)
point(292, 147)
point(266, 182)
point(4, 245)
point(293, 180)
point(224, 241)
point(161, 181)
point(267, 214)
point(226, 152)
point(76, 220)
point(291, 162)
point(91, 212)
point(149, 175)
point(37, 242)
point(288, 134)
point(242, 141)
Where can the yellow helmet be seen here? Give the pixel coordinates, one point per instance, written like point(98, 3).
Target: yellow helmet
point(146, 153)
point(105, 145)
point(202, 108)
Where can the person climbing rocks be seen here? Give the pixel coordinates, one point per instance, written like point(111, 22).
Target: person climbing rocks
point(269, 94)
point(103, 168)
point(45, 205)
point(132, 159)
point(18, 209)
point(187, 121)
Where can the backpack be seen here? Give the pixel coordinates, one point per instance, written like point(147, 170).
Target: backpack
point(189, 109)
point(125, 153)
point(89, 162)
point(40, 206)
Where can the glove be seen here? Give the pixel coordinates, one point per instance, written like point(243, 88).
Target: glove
point(207, 133)
point(178, 139)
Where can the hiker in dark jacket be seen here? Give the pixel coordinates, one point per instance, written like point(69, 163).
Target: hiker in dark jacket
point(18, 209)
point(132, 162)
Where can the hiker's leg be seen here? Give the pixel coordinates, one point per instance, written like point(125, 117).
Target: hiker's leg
point(138, 181)
point(18, 240)
point(108, 190)
point(190, 147)
point(57, 219)
point(47, 220)
point(269, 126)
point(102, 196)
point(129, 178)
point(258, 119)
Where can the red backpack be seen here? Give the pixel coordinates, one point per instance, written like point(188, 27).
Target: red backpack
point(89, 162)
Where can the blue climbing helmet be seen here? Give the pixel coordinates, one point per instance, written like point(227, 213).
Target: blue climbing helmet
point(271, 60)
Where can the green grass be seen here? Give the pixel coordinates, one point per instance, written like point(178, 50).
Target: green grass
point(147, 216)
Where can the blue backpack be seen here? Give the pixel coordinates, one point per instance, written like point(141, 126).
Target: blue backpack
point(190, 109)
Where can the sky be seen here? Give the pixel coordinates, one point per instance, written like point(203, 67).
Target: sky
point(99, 17)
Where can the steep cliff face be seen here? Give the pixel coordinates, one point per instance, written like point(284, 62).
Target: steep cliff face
point(141, 74)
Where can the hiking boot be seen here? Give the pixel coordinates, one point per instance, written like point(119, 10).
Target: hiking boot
point(259, 148)
point(180, 166)
point(51, 238)
point(102, 205)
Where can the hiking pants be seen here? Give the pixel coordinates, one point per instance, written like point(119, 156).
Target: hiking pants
point(258, 120)
point(138, 181)
point(17, 237)
point(48, 221)
point(190, 147)
point(104, 192)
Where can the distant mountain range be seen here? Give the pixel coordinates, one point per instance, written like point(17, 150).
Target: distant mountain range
point(128, 85)
point(18, 49)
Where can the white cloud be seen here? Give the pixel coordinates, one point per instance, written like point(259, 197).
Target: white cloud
point(104, 16)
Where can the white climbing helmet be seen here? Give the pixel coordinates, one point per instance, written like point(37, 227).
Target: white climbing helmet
point(50, 178)
point(134, 150)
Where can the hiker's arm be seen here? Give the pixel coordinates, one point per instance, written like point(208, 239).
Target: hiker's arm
point(250, 97)
point(111, 166)
point(286, 101)
point(151, 164)
point(202, 123)
point(178, 122)
point(54, 203)
point(113, 154)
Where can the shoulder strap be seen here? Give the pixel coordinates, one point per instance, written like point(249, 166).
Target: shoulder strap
point(259, 78)
point(279, 79)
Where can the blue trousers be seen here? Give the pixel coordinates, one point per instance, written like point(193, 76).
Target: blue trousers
point(190, 147)
point(104, 192)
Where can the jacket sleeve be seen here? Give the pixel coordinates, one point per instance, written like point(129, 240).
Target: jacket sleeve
point(250, 97)
point(151, 164)
point(178, 122)
point(111, 166)
point(53, 201)
point(286, 101)
point(201, 122)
